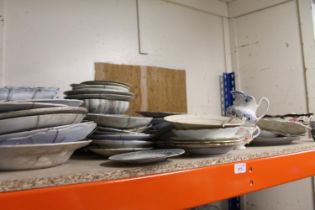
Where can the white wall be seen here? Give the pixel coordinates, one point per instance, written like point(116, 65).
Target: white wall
point(268, 57)
point(57, 42)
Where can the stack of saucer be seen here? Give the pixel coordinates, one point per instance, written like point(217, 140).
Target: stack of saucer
point(208, 135)
point(105, 97)
point(118, 134)
point(36, 131)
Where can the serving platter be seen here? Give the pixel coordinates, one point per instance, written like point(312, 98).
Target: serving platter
point(122, 144)
point(119, 121)
point(59, 134)
point(35, 156)
point(202, 121)
point(147, 156)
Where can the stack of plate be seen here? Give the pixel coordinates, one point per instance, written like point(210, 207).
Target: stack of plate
point(118, 134)
point(208, 135)
point(39, 134)
point(278, 132)
point(104, 97)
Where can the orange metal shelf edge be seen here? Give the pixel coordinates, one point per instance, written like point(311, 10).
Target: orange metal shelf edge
point(175, 190)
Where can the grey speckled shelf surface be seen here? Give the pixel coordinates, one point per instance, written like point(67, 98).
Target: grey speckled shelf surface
point(90, 169)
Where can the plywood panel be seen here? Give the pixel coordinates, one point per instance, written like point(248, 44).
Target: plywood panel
point(155, 88)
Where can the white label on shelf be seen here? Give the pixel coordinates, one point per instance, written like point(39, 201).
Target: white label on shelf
point(239, 168)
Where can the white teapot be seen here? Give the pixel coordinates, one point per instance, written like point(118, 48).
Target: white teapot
point(245, 107)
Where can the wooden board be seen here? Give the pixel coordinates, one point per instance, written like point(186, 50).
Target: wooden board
point(156, 89)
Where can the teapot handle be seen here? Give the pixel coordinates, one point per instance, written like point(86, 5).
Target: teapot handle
point(267, 102)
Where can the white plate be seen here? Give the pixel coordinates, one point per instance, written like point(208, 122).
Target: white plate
point(34, 156)
point(109, 152)
point(40, 118)
point(202, 122)
point(122, 144)
point(282, 127)
point(148, 156)
point(208, 133)
point(119, 121)
point(66, 133)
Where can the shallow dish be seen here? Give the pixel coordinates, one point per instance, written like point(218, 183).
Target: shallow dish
point(34, 156)
point(26, 93)
point(282, 127)
point(101, 96)
point(85, 86)
point(202, 122)
point(97, 91)
point(10, 106)
point(104, 106)
point(122, 136)
point(273, 141)
point(119, 121)
point(122, 144)
point(149, 156)
point(208, 133)
point(109, 152)
point(106, 82)
point(59, 134)
point(40, 118)
point(67, 102)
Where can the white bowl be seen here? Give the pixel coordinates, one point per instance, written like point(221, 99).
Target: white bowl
point(104, 106)
point(218, 133)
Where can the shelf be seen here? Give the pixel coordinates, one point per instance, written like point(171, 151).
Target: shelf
point(89, 183)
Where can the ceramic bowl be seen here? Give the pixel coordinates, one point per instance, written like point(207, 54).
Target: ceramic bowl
point(96, 91)
point(59, 134)
point(119, 121)
point(35, 156)
point(104, 106)
point(40, 118)
point(121, 136)
point(26, 93)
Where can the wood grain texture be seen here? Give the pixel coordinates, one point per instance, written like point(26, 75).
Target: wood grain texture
point(156, 89)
